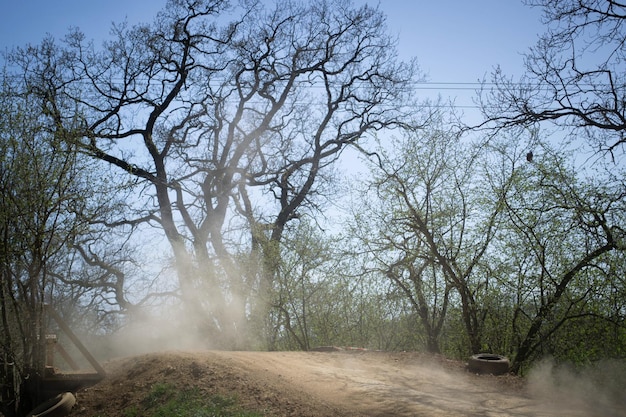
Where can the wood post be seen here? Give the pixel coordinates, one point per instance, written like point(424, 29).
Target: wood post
point(68, 332)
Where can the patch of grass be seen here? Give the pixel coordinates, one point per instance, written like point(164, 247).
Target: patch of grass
point(164, 400)
point(131, 412)
point(158, 394)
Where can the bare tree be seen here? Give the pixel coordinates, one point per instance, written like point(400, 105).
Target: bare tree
point(575, 75)
point(228, 130)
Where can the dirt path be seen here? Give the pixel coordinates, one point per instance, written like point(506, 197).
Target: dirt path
point(334, 384)
point(386, 385)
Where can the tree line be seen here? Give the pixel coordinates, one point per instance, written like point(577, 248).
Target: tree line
point(194, 163)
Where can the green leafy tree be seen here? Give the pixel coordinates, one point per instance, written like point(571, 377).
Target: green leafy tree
point(53, 245)
point(428, 227)
point(568, 228)
point(39, 210)
point(322, 297)
point(562, 234)
point(302, 287)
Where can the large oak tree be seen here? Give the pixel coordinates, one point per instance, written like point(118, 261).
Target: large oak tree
point(227, 118)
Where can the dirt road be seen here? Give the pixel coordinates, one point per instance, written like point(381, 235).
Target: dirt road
point(396, 385)
point(337, 384)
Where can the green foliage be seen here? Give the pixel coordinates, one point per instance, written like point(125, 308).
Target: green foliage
point(131, 412)
point(159, 393)
point(166, 400)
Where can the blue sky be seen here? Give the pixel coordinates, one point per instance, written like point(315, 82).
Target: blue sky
point(455, 41)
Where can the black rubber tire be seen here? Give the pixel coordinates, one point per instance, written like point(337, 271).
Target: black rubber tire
point(488, 363)
point(58, 406)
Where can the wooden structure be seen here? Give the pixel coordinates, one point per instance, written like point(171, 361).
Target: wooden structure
point(53, 381)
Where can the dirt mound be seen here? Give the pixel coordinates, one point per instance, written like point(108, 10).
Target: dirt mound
point(130, 380)
point(341, 383)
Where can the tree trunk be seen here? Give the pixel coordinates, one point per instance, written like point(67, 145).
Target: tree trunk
point(529, 344)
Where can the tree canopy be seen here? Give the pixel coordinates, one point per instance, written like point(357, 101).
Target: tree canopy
point(186, 168)
point(574, 75)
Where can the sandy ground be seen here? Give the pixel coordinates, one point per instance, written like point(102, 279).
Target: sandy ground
point(332, 384)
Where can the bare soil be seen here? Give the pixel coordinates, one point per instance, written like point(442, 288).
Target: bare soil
point(320, 384)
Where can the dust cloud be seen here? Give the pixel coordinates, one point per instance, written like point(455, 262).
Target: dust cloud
point(165, 329)
point(402, 384)
point(595, 390)
point(377, 384)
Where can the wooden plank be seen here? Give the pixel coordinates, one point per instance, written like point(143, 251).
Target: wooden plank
point(68, 332)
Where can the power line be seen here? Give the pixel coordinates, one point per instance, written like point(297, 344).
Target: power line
point(420, 85)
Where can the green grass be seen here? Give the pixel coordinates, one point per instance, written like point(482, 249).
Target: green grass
point(165, 400)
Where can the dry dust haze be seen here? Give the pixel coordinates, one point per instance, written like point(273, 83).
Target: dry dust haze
point(404, 383)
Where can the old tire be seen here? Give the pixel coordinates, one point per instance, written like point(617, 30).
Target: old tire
point(58, 406)
point(488, 363)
